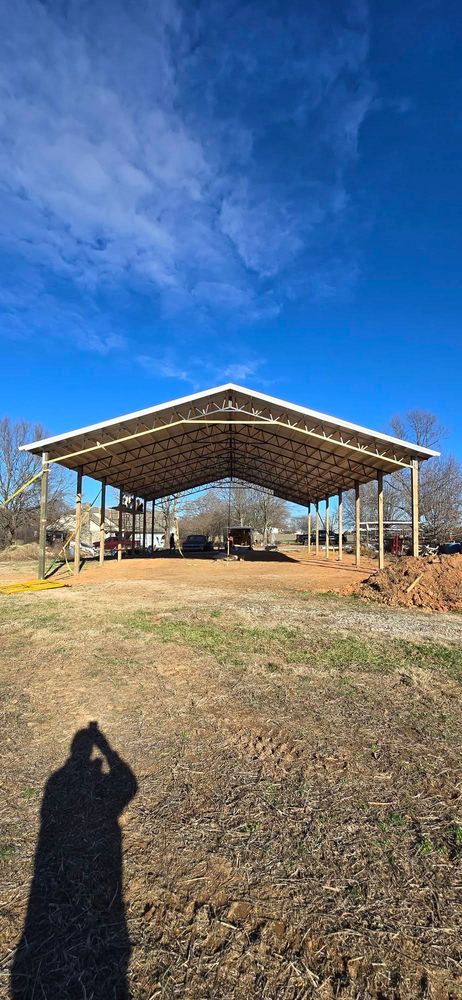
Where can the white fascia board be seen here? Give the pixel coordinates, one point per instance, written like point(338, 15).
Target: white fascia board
point(335, 422)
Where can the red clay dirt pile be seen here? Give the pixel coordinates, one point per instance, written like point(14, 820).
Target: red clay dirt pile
point(433, 583)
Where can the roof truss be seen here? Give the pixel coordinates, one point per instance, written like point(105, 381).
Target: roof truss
point(230, 431)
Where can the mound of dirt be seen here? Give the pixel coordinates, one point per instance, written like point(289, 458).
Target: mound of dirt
point(19, 552)
point(433, 583)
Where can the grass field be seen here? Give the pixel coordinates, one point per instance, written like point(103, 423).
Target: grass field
point(270, 806)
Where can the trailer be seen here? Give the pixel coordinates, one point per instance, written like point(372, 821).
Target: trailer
point(241, 537)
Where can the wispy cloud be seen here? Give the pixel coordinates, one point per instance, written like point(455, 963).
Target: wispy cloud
point(201, 371)
point(164, 368)
point(241, 371)
point(198, 155)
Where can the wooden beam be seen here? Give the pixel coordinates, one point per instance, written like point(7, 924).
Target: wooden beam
point(316, 530)
point(119, 533)
point(357, 525)
point(380, 519)
point(415, 506)
point(152, 525)
point(43, 516)
point(340, 525)
point(102, 522)
point(144, 527)
point(327, 526)
point(133, 525)
point(309, 529)
point(78, 521)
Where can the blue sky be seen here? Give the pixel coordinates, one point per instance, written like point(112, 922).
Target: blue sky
point(268, 193)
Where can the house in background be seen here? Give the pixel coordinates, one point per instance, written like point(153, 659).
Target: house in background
point(60, 530)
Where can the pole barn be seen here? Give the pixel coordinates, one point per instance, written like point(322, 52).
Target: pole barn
point(232, 432)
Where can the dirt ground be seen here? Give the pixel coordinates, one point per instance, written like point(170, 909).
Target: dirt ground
point(270, 805)
point(292, 570)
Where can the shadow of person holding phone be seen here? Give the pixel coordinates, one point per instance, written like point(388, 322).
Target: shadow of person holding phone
point(75, 940)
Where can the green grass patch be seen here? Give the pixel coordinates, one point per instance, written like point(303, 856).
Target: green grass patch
point(27, 616)
point(458, 834)
point(233, 643)
point(6, 853)
point(28, 793)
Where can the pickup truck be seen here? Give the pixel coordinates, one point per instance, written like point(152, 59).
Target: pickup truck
point(111, 545)
point(197, 543)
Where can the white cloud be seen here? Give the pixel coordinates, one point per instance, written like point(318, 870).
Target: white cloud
point(240, 371)
point(163, 367)
point(198, 154)
point(201, 370)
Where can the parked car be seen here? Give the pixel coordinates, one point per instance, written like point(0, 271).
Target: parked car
point(450, 548)
point(197, 543)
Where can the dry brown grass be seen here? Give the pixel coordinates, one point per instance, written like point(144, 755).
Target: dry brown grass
point(19, 552)
point(297, 828)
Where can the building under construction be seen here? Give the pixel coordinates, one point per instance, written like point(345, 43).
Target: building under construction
point(230, 432)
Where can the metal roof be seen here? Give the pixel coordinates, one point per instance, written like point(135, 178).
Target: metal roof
point(230, 431)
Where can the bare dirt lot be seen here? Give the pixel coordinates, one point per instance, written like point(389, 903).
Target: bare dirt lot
point(271, 803)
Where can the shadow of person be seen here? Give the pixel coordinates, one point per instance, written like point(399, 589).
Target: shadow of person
point(75, 940)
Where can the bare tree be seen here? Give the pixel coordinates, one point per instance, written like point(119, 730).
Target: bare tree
point(440, 486)
point(20, 516)
point(234, 504)
point(205, 515)
point(256, 507)
point(168, 509)
point(419, 426)
point(369, 502)
point(269, 512)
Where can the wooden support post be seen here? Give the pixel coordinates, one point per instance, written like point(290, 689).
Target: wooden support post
point(144, 527)
point(152, 525)
point(43, 516)
point(327, 526)
point(102, 522)
point(415, 506)
point(78, 521)
point(357, 525)
point(133, 525)
point(340, 525)
point(309, 529)
point(380, 519)
point(119, 533)
point(316, 530)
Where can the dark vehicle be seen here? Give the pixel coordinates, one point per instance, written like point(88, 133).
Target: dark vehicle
point(197, 543)
point(242, 537)
point(449, 548)
point(302, 538)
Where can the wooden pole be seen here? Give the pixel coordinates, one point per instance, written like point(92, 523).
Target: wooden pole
point(327, 526)
point(119, 533)
point(102, 522)
point(309, 529)
point(152, 525)
point(43, 516)
point(340, 525)
point(144, 527)
point(415, 506)
point(78, 521)
point(357, 525)
point(316, 530)
point(380, 519)
point(133, 525)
